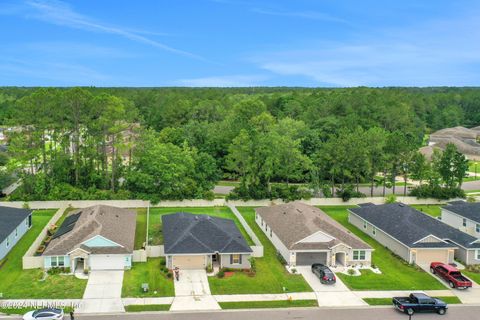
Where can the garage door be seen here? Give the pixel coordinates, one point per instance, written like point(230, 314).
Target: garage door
point(309, 258)
point(107, 262)
point(427, 256)
point(189, 262)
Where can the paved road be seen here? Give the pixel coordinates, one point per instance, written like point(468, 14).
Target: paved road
point(454, 313)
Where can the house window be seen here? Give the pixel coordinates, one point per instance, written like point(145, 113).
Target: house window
point(57, 261)
point(477, 227)
point(8, 242)
point(364, 224)
point(358, 254)
point(270, 232)
point(235, 259)
point(16, 232)
point(464, 222)
point(262, 222)
point(374, 231)
point(477, 254)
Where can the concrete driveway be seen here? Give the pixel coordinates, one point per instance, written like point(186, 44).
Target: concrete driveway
point(333, 295)
point(103, 293)
point(192, 292)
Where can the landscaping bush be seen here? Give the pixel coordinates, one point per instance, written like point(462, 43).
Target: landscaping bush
point(391, 198)
point(169, 275)
point(351, 272)
point(163, 262)
point(221, 274)
point(437, 192)
point(475, 268)
point(348, 192)
point(209, 268)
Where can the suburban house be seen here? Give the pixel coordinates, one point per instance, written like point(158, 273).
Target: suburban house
point(416, 237)
point(304, 235)
point(14, 223)
point(196, 241)
point(464, 216)
point(94, 238)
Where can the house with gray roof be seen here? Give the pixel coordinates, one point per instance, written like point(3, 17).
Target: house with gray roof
point(196, 241)
point(95, 238)
point(14, 223)
point(415, 236)
point(304, 235)
point(464, 216)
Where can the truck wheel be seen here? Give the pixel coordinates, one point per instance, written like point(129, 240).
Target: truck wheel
point(451, 284)
point(410, 311)
point(441, 311)
point(432, 270)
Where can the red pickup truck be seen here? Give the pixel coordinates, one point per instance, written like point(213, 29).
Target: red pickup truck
point(450, 274)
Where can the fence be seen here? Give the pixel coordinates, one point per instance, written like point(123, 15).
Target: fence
point(139, 256)
point(208, 203)
point(29, 260)
point(258, 247)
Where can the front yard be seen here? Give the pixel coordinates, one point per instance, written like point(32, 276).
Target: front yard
point(147, 272)
point(17, 283)
point(271, 276)
point(155, 234)
point(396, 273)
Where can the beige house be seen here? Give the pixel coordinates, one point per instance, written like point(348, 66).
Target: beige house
point(304, 235)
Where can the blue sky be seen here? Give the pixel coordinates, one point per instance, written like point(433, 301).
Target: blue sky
point(313, 43)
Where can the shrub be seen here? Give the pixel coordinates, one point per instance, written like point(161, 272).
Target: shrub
point(209, 268)
point(253, 264)
point(348, 192)
point(351, 272)
point(471, 199)
point(163, 262)
point(169, 275)
point(221, 273)
point(293, 270)
point(437, 192)
point(391, 198)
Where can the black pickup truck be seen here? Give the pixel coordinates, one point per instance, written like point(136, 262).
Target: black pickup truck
point(419, 302)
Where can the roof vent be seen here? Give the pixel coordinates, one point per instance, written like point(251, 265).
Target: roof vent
point(196, 217)
point(401, 205)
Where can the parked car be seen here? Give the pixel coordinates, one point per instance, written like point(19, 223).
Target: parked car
point(323, 273)
point(452, 275)
point(44, 314)
point(419, 302)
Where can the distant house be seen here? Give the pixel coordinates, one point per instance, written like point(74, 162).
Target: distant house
point(304, 235)
point(464, 216)
point(14, 223)
point(94, 238)
point(416, 237)
point(196, 241)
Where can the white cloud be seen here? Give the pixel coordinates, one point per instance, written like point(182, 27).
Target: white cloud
point(224, 81)
point(60, 13)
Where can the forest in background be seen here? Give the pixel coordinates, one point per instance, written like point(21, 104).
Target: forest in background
point(279, 142)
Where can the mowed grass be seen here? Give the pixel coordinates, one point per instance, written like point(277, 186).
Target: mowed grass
point(147, 307)
point(155, 233)
point(397, 274)
point(271, 276)
point(388, 301)
point(474, 276)
point(30, 284)
point(141, 229)
point(268, 304)
point(433, 210)
point(147, 272)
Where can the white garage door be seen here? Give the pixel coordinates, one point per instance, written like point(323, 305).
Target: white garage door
point(189, 262)
point(107, 262)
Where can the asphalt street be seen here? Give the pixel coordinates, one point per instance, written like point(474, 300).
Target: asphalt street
point(387, 313)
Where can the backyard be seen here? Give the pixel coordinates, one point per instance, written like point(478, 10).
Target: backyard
point(396, 273)
point(271, 275)
point(155, 234)
point(433, 210)
point(18, 283)
point(147, 272)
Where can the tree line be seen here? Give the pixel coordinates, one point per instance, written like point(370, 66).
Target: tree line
point(175, 143)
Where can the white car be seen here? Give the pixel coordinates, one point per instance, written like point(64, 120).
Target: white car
point(44, 314)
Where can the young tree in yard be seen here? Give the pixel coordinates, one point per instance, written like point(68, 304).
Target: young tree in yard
point(452, 166)
point(419, 168)
point(375, 141)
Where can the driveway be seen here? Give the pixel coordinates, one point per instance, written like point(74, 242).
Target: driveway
point(103, 293)
point(192, 292)
point(336, 295)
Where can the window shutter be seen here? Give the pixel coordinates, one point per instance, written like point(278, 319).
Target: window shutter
point(240, 259)
point(231, 259)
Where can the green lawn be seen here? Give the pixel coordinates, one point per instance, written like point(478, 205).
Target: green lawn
point(147, 272)
point(472, 275)
point(388, 301)
point(147, 307)
point(471, 166)
point(396, 273)
point(271, 275)
point(228, 183)
point(17, 283)
point(431, 209)
point(268, 304)
point(155, 225)
point(141, 228)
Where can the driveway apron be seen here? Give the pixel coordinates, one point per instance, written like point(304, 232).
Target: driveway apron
point(103, 293)
point(192, 292)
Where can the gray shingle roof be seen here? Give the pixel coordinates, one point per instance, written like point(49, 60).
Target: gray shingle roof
point(115, 224)
point(185, 233)
point(409, 225)
point(10, 218)
point(295, 221)
point(467, 210)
